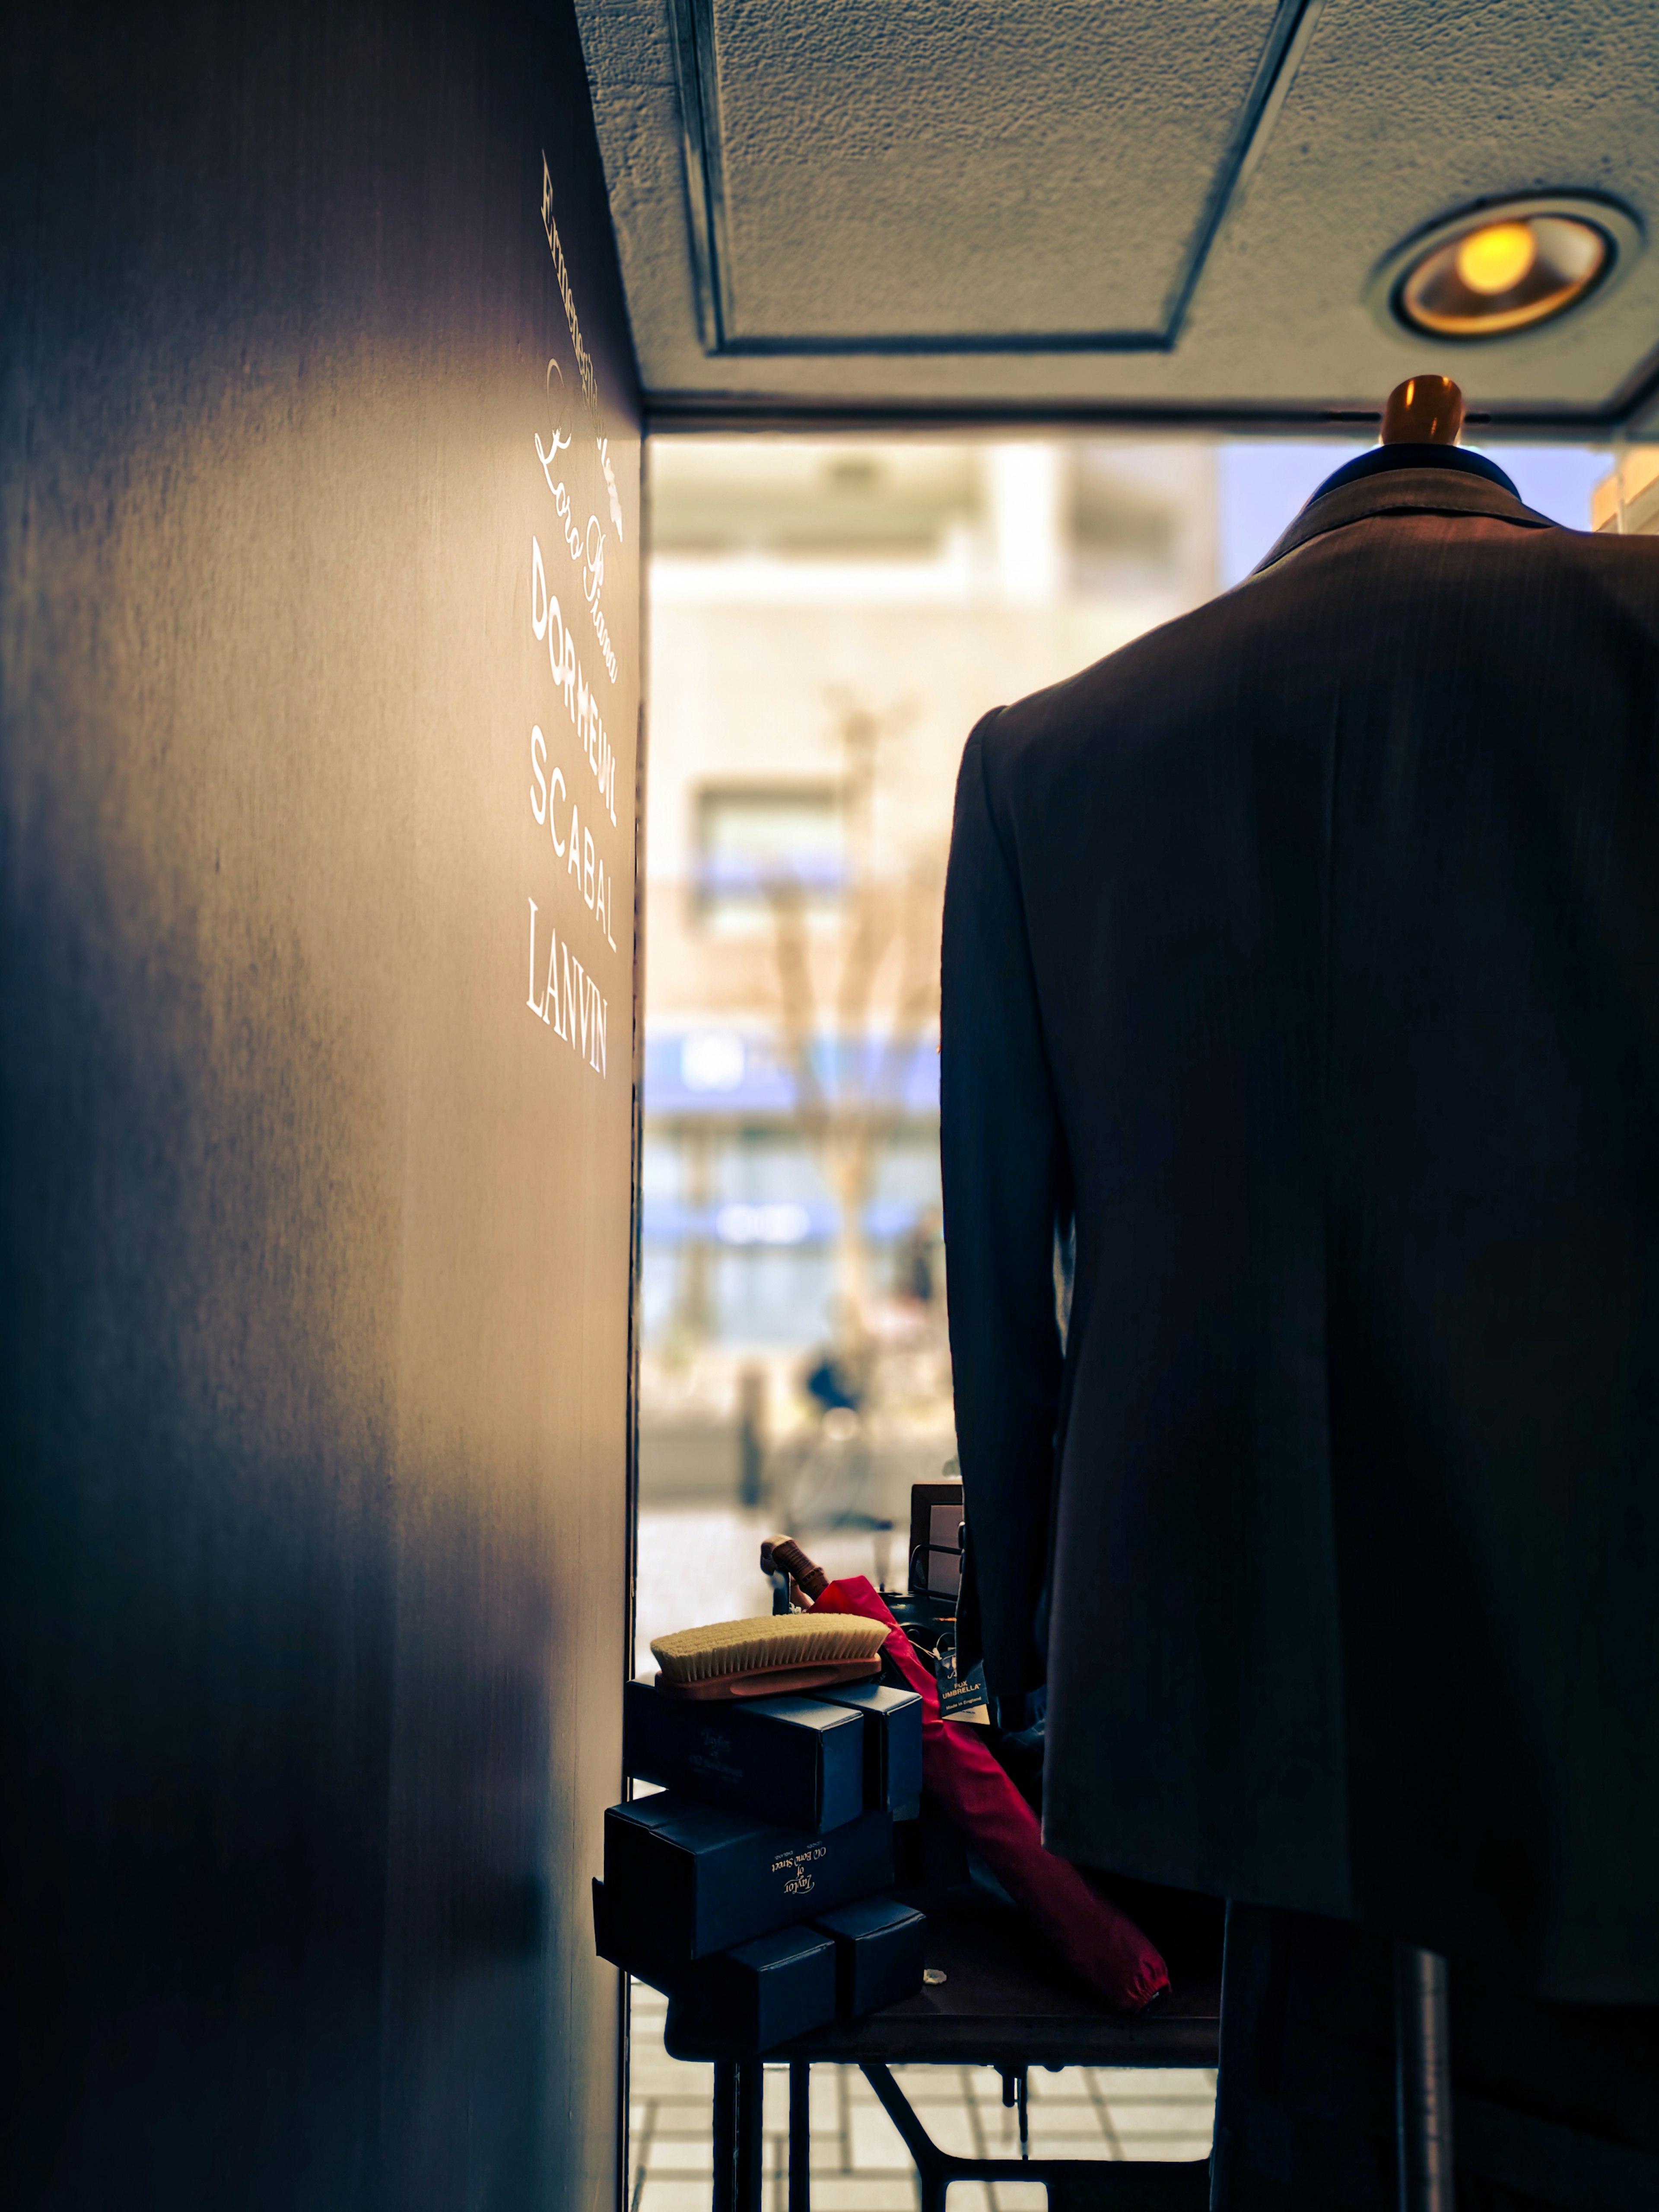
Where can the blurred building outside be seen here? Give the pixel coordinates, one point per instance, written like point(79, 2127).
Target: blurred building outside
point(828, 621)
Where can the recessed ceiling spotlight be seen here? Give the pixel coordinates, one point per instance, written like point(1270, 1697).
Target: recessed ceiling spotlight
point(1502, 268)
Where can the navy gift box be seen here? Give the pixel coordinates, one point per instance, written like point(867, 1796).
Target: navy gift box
point(793, 1761)
point(762, 1994)
point(892, 1740)
point(754, 1997)
point(683, 1880)
point(880, 1951)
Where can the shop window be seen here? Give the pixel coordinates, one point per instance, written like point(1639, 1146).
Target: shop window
point(759, 846)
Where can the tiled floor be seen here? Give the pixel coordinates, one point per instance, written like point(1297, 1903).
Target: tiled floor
point(858, 2164)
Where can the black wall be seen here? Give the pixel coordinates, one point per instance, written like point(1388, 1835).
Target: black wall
point(316, 1235)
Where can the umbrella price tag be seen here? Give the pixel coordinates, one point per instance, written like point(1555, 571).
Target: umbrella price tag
point(960, 1698)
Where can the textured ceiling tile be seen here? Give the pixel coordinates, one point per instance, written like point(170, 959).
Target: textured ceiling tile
point(935, 167)
point(1402, 114)
point(629, 53)
point(1401, 111)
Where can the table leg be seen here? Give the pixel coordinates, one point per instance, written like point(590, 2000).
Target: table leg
point(726, 2135)
point(1073, 2184)
point(1015, 2090)
point(933, 2167)
point(800, 2135)
point(752, 2086)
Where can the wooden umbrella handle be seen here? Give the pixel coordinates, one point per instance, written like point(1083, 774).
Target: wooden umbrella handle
point(783, 1555)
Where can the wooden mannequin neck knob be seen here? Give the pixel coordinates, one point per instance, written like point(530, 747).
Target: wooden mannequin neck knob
point(1424, 410)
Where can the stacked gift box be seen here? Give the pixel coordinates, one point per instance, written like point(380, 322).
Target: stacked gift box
point(749, 1888)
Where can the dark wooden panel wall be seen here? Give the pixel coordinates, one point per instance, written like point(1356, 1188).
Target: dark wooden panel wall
point(316, 1207)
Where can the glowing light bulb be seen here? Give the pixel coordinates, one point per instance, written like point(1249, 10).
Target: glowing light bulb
point(1505, 269)
point(1496, 259)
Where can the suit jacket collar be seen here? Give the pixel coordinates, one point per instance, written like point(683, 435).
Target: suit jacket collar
point(1403, 491)
point(1403, 455)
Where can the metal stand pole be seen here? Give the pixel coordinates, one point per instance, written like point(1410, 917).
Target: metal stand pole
point(1422, 2045)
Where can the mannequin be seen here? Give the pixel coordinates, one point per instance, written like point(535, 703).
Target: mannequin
point(1301, 957)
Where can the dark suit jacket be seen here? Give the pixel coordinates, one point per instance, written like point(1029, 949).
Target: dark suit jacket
point(1306, 956)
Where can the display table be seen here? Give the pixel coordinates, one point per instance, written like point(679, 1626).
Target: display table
point(995, 2006)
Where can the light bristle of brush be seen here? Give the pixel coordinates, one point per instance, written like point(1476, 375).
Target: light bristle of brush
point(768, 1642)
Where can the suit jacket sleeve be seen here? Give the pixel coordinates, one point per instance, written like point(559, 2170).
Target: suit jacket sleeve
point(1005, 1184)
